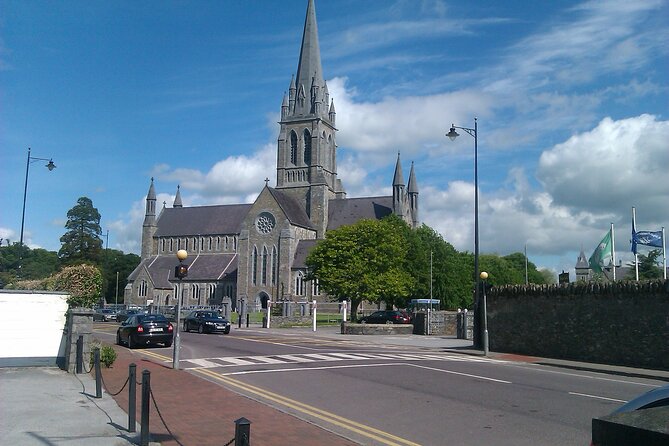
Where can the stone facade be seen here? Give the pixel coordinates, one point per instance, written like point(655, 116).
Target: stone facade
point(249, 254)
point(623, 323)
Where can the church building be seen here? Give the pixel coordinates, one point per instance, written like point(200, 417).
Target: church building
point(247, 254)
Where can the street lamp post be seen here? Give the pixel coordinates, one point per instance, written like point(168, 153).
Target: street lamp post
point(180, 271)
point(484, 276)
point(50, 165)
point(452, 134)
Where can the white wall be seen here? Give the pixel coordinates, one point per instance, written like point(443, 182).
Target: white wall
point(31, 328)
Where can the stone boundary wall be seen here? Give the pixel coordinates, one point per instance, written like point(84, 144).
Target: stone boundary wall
point(622, 323)
point(376, 329)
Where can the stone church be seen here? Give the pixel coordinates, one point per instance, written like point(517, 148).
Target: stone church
point(247, 254)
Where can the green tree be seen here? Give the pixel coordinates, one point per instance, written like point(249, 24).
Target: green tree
point(363, 261)
point(37, 263)
point(113, 262)
point(82, 241)
point(452, 271)
point(517, 262)
point(648, 265)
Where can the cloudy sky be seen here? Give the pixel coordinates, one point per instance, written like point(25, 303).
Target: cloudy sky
point(571, 98)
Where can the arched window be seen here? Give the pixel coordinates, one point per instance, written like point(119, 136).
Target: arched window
point(293, 147)
point(254, 266)
point(209, 244)
point(274, 264)
point(226, 244)
point(307, 147)
point(299, 284)
point(263, 271)
point(315, 289)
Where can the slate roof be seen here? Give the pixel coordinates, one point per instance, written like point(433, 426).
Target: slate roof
point(342, 212)
point(294, 212)
point(201, 220)
point(203, 267)
point(304, 247)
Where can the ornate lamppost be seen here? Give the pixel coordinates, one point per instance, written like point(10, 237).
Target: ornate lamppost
point(50, 165)
point(180, 272)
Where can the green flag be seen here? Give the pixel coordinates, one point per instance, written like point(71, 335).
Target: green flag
point(602, 252)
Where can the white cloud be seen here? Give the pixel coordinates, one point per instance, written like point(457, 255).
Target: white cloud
point(7, 235)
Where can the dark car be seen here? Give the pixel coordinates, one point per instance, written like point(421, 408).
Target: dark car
point(653, 398)
point(386, 317)
point(104, 315)
point(206, 322)
point(145, 329)
point(125, 314)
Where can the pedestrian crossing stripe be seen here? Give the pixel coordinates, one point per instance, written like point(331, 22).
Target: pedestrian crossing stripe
point(210, 363)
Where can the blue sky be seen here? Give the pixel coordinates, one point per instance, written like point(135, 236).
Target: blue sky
point(572, 101)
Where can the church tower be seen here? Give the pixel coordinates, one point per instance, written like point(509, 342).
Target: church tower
point(149, 227)
point(306, 157)
point(582, 268)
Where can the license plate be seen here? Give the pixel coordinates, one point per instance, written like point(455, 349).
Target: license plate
point(153, 330)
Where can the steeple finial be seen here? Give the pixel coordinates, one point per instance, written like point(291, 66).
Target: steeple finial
point(309, 68)
point(398, 179)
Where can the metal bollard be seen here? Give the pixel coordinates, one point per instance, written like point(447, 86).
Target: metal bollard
point(239, 320)
point(132, 397)
point(242, 432)
point(98, 373)
point(247, 320)
point(80, 354)
point(146, 396)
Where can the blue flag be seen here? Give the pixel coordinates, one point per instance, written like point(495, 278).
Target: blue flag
point(648, 238)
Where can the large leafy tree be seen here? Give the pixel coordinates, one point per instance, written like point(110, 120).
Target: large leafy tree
point(82, 241)
point(116, 264)
point(648, 265)
point(363, 261)
point(36, 264)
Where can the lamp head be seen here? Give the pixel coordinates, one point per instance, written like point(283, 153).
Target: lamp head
point(452, 134)
point(182, 254)
point(50, 165)
point(483, 275)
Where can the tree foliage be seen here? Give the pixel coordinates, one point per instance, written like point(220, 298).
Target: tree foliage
point(81, 242)
point(83, 282)
point(363, 261)
point(116, 262)
point(648, 265)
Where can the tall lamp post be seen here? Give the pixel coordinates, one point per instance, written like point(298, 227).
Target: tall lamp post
point(484, 276)
point(50, 165)
point(452, 134)
point(180, 272)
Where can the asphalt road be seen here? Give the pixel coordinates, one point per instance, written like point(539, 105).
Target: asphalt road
point(405, 395)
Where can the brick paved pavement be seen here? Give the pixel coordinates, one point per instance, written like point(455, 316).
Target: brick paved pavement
point(199, 412)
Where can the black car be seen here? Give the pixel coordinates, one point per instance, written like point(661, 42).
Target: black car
point(125, 314)
point(386, 317)
point(145, 329)
point(206, 322)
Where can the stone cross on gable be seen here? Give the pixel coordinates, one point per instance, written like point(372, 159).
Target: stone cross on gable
point(266, 181)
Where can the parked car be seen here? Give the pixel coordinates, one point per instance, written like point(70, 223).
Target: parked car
point(657, 397)
point(125, 314)
point(104, 315)
point(145, 329)
point(386, 317)
point(206, 322)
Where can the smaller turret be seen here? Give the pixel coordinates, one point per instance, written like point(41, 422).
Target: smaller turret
point(177, 199)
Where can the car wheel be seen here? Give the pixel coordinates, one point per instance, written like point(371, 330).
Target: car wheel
point(389, 322)
point(186, 327)
point(168, 344)
point(227, 331)
point(200, 329)
point(118, 338)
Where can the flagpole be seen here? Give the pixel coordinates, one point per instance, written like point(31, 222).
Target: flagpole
point(636, 256)
point(664, 254)
point(613, 252)
point(526, 281)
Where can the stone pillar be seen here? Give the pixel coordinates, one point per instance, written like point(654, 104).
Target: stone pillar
point(79, 323)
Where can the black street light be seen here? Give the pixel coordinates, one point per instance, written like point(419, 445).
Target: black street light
point(452, 134)
point(50, 165)
point(180, 272)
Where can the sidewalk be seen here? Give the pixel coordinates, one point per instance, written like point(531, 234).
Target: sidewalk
point(48, 406)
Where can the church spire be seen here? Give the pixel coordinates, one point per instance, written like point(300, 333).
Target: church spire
point(177, 199)
point(309, 69)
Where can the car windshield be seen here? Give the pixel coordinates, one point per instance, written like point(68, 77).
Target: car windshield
point(211, 315)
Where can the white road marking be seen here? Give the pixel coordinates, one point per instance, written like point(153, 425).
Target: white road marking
point(204, 363)
point(268, 360)
point(597, 397)
point(461, 374)
point(294, 358)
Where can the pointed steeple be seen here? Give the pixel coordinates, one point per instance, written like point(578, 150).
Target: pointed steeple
point(413, 185)
point(177, 199)
point(150, 215)
point(309, 69)
point(398, 179)
point(149, 227)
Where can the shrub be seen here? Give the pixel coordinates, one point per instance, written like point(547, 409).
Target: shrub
point(107, 355)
